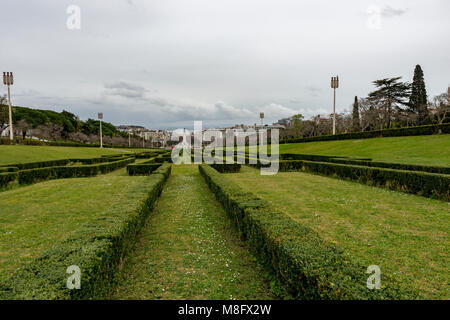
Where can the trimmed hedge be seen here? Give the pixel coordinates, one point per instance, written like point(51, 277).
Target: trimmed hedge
point(424, 184)
point(365, 162)
point(6, 178)
point(9, 169)
point(307, 266)
point(226, 168)
point(40, 164)
point(165, 170)
point(40, 174)
point(314, 157)
point(142, 169)
point(163, 158)
point(97, 248)
point(397, 132)
point(389, 165)
point(146, 155)
point(91, 160)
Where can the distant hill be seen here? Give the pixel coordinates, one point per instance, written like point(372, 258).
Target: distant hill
point(57, 125)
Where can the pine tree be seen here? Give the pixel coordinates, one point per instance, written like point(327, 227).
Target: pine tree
point(356, 124)
point(418, 100)
point(391, 93)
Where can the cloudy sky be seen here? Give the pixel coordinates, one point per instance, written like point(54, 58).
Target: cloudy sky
point(165, 63)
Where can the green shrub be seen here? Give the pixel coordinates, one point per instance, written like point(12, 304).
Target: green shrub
point(142, 168)
point(6, 178)
point(226, 168)
point(97, 248)
point(8, 169)
point(163, 158)
point(91, 160)
point(365, 162)
point(389, 165)
point(40, 174)
point(307, 266)
point(164, 169)
point(397, 132)
point(146, 155)
point(315, 157)
point(40, 164)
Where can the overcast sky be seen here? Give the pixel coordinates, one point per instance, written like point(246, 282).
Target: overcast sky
point(165, 63)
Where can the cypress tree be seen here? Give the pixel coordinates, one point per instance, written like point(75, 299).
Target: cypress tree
point(418, 100)
point(356, 124)
point(4, 115)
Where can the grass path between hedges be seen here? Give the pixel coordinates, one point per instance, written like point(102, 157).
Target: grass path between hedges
point(190, 250)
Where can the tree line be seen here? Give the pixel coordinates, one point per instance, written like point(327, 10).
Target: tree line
point(393, 103)
point(56, 126)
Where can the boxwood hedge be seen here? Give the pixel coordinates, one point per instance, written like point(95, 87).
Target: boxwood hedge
point(142, 168)
point(6, 178)
point(306, 265)
point(9, 169)
point(40, 164)
point(97, 248)
point(391, 165)
point(407, 131)
point(40, 174)
point(365, 162)
point(226, 168)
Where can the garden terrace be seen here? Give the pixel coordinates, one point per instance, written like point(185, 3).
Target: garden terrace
point(406, 235)
point(92, 232)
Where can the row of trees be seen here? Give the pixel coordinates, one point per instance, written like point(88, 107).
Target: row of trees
point(51, 125)
point(393, 103)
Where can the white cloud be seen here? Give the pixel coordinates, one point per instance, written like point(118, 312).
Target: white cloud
point(167, 63)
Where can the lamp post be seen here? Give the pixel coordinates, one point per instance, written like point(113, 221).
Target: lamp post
point(8, 80)
point(334, 85)
point(100, 117)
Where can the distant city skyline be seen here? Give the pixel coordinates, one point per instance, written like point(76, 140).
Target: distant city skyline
point(165, 64)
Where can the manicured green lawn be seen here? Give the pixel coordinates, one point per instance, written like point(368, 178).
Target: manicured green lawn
point(426, 150)
point(406, 235)
point(189, 249)
point(21, 154)
point(35, 217)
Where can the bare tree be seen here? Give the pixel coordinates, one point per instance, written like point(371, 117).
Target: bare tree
point(440, 107)
point(78, 137)
point(23, 126)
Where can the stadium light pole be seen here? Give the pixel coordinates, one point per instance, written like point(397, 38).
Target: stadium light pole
point(334, 85)
point(8, 80)
point(100, 117)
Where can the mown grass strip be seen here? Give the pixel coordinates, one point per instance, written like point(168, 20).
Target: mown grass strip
point(189, 249)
